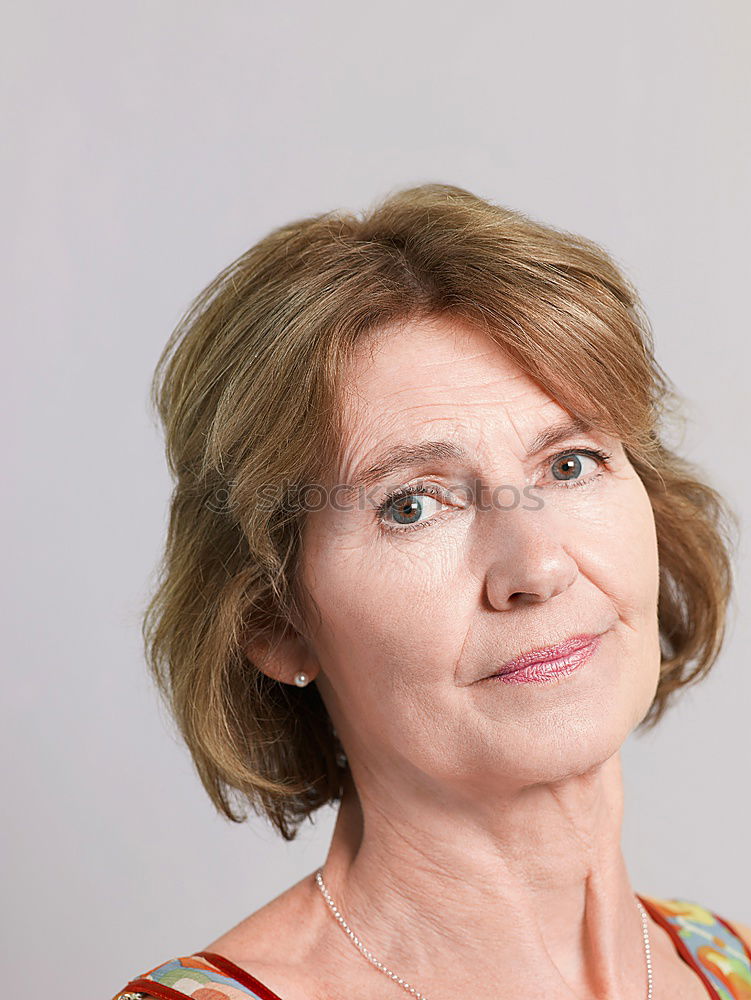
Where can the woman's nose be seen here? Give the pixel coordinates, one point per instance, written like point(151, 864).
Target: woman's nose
point(530, 563)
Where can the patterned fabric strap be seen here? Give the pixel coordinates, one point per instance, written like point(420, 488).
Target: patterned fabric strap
point(702, 938)
point(708, 944)
point(203, 976)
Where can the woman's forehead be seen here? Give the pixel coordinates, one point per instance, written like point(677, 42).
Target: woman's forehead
point(460, 388)
point(380, 438)
point(449, 384)
point(429, 369)
point(433, 346)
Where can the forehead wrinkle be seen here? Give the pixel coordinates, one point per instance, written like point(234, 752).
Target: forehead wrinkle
point(424, 398)
point(482, 435)
point(425, 362)
point(368, 420)
point(539, 412)
point(351, 457)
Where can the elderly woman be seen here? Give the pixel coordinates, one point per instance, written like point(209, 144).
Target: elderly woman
point(430, 558)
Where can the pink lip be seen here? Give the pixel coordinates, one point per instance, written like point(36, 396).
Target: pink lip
point(551, 660)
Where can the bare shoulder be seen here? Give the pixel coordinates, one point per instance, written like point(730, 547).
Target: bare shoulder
point(274, 931)
point(278, 943)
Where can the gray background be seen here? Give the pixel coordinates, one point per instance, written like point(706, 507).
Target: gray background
point(150, 143)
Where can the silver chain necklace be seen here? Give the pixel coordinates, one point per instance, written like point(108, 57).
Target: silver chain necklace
point(421, 996)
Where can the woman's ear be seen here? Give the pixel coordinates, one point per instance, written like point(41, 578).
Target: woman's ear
point(284, 658)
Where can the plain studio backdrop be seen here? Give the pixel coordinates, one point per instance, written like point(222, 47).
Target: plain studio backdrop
point(147, 145)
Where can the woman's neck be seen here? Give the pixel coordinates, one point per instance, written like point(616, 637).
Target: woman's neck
point(529, 887)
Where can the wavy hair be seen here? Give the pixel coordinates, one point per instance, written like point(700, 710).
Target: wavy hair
point(248, 389)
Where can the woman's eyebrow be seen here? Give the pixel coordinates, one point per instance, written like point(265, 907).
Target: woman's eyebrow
point(404, 456)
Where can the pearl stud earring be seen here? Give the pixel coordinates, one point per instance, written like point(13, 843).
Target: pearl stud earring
point(301, 679)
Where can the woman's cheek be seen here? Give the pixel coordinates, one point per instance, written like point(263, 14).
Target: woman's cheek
point(622, 543)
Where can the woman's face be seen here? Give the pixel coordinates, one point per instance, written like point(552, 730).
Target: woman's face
point(421, 602)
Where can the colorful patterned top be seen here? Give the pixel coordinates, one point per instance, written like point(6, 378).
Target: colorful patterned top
point(706, 942)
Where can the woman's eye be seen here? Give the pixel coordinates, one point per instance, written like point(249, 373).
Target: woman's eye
point(410, 510)
point(577, 466)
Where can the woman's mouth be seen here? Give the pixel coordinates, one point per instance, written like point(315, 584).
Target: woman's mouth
point(549, 662)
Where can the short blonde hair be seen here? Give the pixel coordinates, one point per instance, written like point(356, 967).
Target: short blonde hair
point(248, 389)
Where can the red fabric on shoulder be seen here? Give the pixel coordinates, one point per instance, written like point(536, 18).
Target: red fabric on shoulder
point(235, 972)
